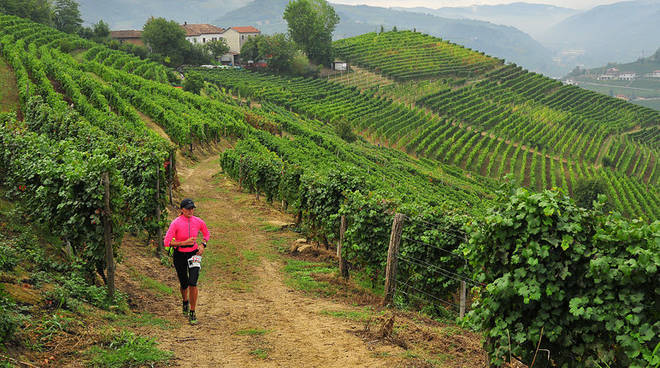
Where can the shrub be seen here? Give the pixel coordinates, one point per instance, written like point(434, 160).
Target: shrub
point(345, 131)
point(193, 83)
point(588, 280)
point(10, 319)
point(587, 191)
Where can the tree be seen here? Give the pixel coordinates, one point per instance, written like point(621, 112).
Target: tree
point(311, 23)
point(250, 49)
point(99, 32)
point(278, 51)
point(67, 16)
point(193, 83)
point(217, 48)
point(344, 130)
point(195, 54)
point(167, 38)
point(39, 11)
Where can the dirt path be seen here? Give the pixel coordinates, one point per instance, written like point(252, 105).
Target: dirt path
point(248, 317)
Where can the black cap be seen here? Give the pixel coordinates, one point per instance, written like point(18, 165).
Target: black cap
point(187, 203)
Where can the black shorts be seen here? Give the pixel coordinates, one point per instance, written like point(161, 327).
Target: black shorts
point(187, 276)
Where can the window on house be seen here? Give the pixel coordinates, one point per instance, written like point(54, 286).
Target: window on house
point(203, 39)
point(242, 37)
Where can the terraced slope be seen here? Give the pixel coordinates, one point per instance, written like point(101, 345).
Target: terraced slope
point(430, 134)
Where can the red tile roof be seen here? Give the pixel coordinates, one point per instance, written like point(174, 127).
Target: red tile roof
point(248, 29)
point(200, 29)
point(126, 34)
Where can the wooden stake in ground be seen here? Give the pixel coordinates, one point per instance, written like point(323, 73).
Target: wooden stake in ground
point(159, 230)
point(171, 177)
point(343, 267)
point(107, 237)
point(392, 254)
point(462, 305)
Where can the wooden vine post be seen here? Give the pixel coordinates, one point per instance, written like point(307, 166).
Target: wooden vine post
point(343, 267)
point(392, 254)
point(463, 297)
point(171, 177)
point(107, 237)
point(159, 230)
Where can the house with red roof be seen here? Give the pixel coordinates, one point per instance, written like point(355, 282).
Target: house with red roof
point(128, 36)
point(202, 33)
point(236, 37)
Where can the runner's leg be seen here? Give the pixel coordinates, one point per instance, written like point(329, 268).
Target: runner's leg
point(193, 297)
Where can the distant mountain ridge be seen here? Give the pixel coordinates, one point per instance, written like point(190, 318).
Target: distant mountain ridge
point(500, 41)
point(620, 32)
point(131, 14)
point(533, 19)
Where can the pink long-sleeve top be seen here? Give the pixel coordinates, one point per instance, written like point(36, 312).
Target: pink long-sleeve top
point(183, 228)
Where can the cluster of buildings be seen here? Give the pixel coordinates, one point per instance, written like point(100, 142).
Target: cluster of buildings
point(615, 74)
point(201, 34)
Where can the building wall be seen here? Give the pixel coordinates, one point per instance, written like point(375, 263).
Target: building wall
point(205, 38)
point(233, 40)
point(244, 37)
point(236, 40)
point(134, 41)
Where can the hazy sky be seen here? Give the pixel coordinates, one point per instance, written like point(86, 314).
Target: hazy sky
point(575, 4)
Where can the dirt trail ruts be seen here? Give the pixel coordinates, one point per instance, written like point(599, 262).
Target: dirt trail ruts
point(296, 334)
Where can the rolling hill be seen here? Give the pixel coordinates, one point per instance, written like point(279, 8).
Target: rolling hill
point(500, 41)
point(620, 32)
point(533, 19)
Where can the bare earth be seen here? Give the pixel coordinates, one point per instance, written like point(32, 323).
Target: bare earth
point(291, 330)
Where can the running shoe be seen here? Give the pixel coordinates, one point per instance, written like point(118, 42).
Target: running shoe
point(192, 318)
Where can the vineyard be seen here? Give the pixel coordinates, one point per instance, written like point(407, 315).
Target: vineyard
point(445, 137)
point(447, 126)
point(81, 121)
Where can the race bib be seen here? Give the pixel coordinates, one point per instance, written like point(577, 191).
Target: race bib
point(195, 261)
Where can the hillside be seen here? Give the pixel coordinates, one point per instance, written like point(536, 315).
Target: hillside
point(500, 41)
point(620, 32)
point(644, 90)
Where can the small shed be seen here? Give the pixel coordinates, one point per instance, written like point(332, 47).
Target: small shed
point(340, 66)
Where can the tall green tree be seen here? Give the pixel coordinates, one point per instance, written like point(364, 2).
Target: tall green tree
point(278, 51)
point(167, 38)
point(67, 16)
point(311, 23)
point(39, 11)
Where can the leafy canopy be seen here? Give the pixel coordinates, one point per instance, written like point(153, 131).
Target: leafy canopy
point(278, 51)
point(67, 16)
point(166, 38)
point(39, 11)
point(311, 23)
point(217, 48)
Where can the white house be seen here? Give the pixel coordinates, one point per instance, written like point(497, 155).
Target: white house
point(202, 33)
point(654, 74)
point(606, 77)
point(628, 76)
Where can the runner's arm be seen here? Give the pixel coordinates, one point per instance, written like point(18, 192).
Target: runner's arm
point(167, 241)
point(205, 233)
